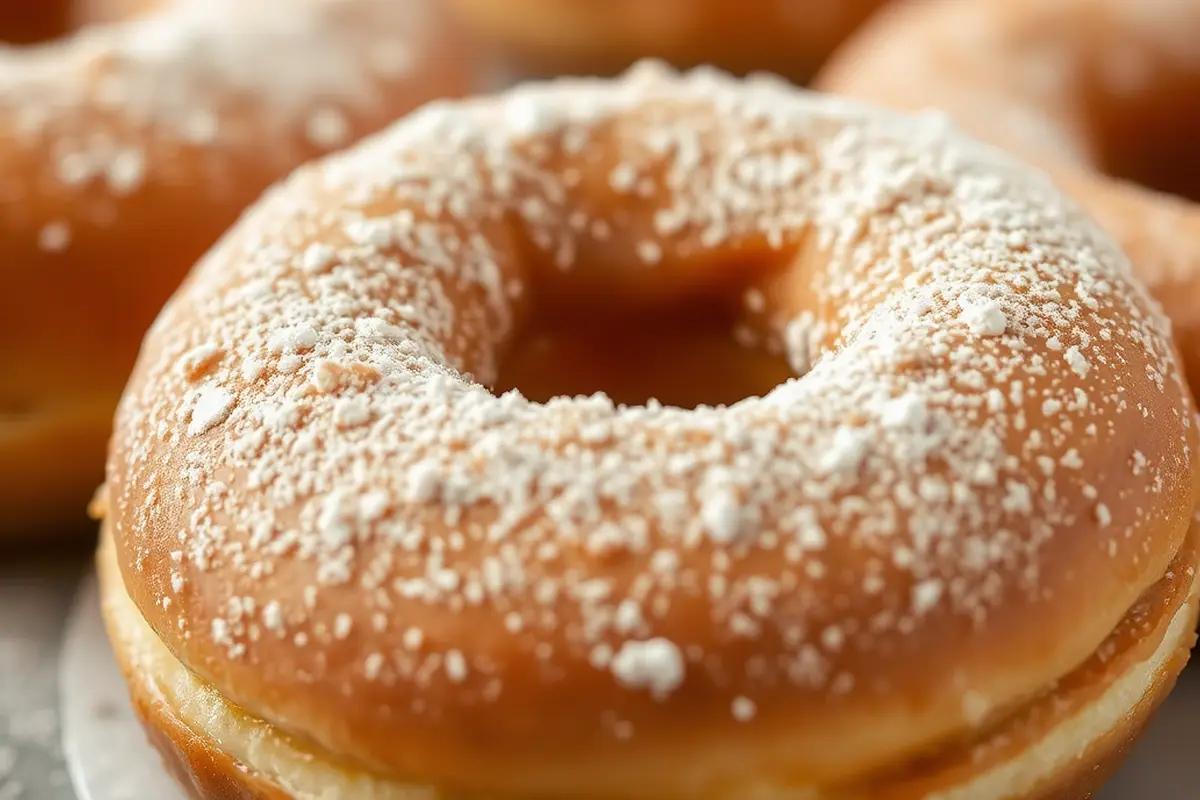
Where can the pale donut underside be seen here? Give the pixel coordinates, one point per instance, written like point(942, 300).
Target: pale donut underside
point(983, 460)
point(127, 150)
point(1063, 745)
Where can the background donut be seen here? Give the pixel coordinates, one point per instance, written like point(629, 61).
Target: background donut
point(584, 37)
point(1104, 94)
point(24, 22)
point(127, 149)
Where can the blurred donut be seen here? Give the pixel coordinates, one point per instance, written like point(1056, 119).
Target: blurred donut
point(1103, 94)
point(549, 37)
point(125, 150)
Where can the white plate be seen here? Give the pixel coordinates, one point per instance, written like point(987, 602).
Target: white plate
point(106, 751)
point(108, 757)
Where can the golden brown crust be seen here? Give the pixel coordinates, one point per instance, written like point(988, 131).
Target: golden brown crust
point(1140, 637)
point(582, 37)
point(1083, 89)
point(23, 23)
point(1151, 632)
point(197, 764)
point(322, 511)
point(128, 149)
point(207, 773)
point(73, 426)
point(93, 12)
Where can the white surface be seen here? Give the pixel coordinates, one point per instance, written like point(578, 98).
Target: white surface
point(105, 749)
point(108, 758)
point(33, 604)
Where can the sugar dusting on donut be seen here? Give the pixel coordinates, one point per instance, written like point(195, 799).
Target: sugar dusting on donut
point(120, 104)
point(315, 404)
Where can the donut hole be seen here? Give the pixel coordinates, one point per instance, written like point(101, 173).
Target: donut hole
point(682, 357)
point(1150, 136)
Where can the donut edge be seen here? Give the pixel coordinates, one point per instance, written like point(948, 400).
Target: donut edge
point(206, 772)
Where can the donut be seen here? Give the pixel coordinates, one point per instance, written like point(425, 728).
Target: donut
point(23, 22)
point(550, 37)
point(1101, 94)
point(952, 554)
point(126, 150)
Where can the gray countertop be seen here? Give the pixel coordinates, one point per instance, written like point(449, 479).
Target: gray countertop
point(36, 594)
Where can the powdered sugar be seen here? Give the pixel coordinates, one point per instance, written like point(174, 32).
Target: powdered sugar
point(118, 101)
point(54, 237)
point(743, 709)
point(900, 459)
point(984, 316)
point(211, 407)
point(654, 664)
